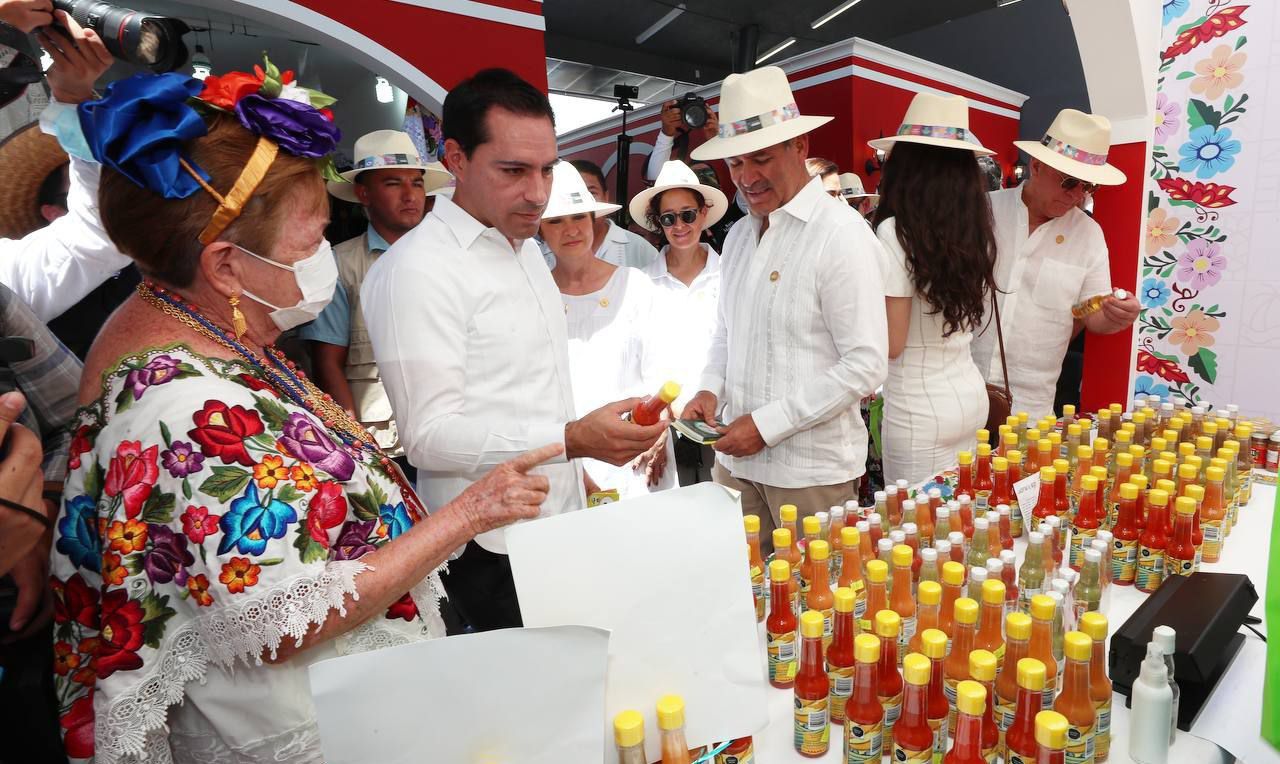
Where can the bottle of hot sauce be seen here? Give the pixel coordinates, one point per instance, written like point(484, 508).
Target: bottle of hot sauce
point(820, 598)
point(1009, 576)
point(628, 734)
point(935, 649)
point(900, 599)
point(877, 592)
point(1061, 498)
point(972, 703)
point(1017, 629)
point(1140, 507)
point(1075, 702)
point(866, 546)
point(894, 502)
point(755, 562)
point(788, 553)
point(1197, 532)
point(833, 541)
point(671, 726)
point(952, 586)
point(851, 569)
point(780, 627)
point(1095, 625)
point(788, 514)
point(1020, 739)
point(1043, 609)
point(1152, 542)
point(1005, 513)
point(864, 723)
point(1002, 493)
point(1033, 452)
point(1052, 731)
point(982, 669)
point(990, 636)
point(1180, 555)
point(1124, 547)
point(1044, 508)
point(812, 722)
point(840, 655)
point(889, 682)
point(648, 411)
point(1031, 575)
point(1085, 526)
point(812, 532)
point(982, 481)
point(1212, 513)
point(956, 669)
point(1124, 470)
point(912, 736)
point(964, 473)
point(929, 596)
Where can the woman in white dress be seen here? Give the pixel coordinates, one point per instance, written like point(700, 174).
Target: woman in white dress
point(934, 221)
point(615, 329)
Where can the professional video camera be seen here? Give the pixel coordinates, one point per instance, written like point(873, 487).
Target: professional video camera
point(145, 40)
point(693, 110)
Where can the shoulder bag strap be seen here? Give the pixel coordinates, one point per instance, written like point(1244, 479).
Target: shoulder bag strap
point(1004, 366)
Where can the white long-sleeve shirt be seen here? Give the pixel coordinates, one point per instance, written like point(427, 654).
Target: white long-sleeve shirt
point(471, 344)
point(801, 339)
point(55, 267)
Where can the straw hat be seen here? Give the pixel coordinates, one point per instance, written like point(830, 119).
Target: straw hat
point(1077, 144)
point(851, 187)
point(387, 150)
point(569, 195)
point(27, 157)
point(676, 174)
point(757, 110)
point(935, 120)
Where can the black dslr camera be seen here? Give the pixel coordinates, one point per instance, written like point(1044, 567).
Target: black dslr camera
point(694, 111)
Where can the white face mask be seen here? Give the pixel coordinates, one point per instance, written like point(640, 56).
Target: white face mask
point(316, 277)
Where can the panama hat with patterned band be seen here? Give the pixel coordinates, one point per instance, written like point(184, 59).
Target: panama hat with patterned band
point(387, 150)
point(569, 195)
point(676, 174)
point(935, 120)
point(27, 156)
point(851, 187)
point(756, 111)
point(1077, 144)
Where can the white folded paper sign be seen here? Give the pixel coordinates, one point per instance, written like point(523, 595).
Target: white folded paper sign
point(667, 574)
point(501, 697)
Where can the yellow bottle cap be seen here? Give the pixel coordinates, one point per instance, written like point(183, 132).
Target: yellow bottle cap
point(982, 665)
point(669, 392)
point(1017, 626)
point(1074, 430)
point(1162, 466)
point(1015, 456)
point(982, 435)
point(1042, 607)
point(779, 570)
point(1204, 443)
point(1125, 436)
point(935, 644)
point(1195, 461)
point(811, 526)
point(1139, 480)
point(628, 729)
point(1185, 505)
point(1051, 730)
point(1022, 417)
point(1099, 472)
point(1094, 624)
point(781, 538)
point(902, 556)
point(1055, 440)
point(929, 593)
point(1220, 461)
point(788, 513)
point(1100, 444)
point(971, 698)
point(915, 669)
point(966, 610)
point(811, 624)
point(1084, 452)
point(1062, 466)
point(1089, 483)
point(1128, 491)
point(1186, 449)
point(877, 571)
point(1000, 464)
point(1033, 435)
point(1216, 474)
point(1159, 444)
point(1077, 646)
point(670, 712)
point(888, 623)
point(1011, 420)
point(993, 592)
point(1158, 497)
point(819, 550)
point(984, 449)
point(1044, 445)
point(1195, 492)
point(1104, 413)
point(1124, 459)
point(952, 573)
point(849, 537)
point(751, 523)
point(1010, 439)
point(965, 457)
point(844, 599)
point(1031, 672)
point(1048, 474)
point(1168, 486)
point(1137, 452)
point(1243, 431)
point(866, 648)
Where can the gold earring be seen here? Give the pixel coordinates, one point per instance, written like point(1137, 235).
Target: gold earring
point(238, 324)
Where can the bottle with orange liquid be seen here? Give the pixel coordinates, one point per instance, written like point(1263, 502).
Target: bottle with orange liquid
point(648, 411)
point(755, 563)
point(1083, 463)
point(787, 552)
point(1212, 513)
point(1095, 626)
point(780, 627)
point(900, 599)
point(990, 636)
point(983, 483)
point(833, 541)
point(1052, 731)
point(812, 532)
point(1140, 507)
point(840, 655)
point(889, 688)
point(1043, 610)
point(935, 649)
point(789, 515)
point(928, 612)
point(1180, 554)
point(866, 545)
point(1152, 542)
point(1002, 494)
point(1124, 547)
point(952, 590)
point(1031, 445)
point(1124, 470)
point(877, 592)
point(982, 669)
point(894, 503)
point(820, 598)
point(1197, 532)
point(1020, 739)
point(864, 723)
point(1061, 495)
point(1017, 629)
point(851, 569)
point(912, 735)
point(675, 750)
point(1045, 501)
point(812, 706)
point(1087, 521)
point(1075, 702)
point(956, 668)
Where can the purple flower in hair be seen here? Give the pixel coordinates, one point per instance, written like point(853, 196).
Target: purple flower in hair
point(298, 128)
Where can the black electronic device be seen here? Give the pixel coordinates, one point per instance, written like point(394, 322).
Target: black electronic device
point(1206, 610)
point(693, 110)
point(145, 39)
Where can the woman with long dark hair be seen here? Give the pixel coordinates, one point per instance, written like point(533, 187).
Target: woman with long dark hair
point(934, 221)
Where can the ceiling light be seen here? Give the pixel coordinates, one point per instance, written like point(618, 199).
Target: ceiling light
point(384, 90)
point(831, 14)
point(201, 66)
point(775, 50)
point(660, 24)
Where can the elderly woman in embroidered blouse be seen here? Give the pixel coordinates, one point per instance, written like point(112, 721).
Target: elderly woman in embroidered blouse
point(224, 523)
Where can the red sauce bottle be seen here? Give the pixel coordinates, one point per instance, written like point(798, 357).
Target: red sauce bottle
point(780, 627)
point(840, 655)
point(864, 728)
point(1020, 740)
point(889, 687)
point(812, 706)
point(1124, 549)
point(649, 411)
point(912, 736)
point(1051, 738)
point(1044, 508)
point(1180, 555)
point(934, 643)
point(1152, 542)
point(972, 703)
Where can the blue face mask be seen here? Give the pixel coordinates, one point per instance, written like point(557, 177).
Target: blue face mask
point(316, 277)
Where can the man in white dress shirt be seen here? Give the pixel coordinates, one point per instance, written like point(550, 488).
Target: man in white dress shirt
point(469, 333)
point(1050, 257)
point(801, 336)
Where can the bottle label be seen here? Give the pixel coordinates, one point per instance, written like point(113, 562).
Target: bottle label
point(1046, 695)
point(1150, 568)
point(744, 757)
point(911, 756)
point(1212, 539)
point(939, 727)
point(813, 730)
point(1102, 733)
point(782, 656)
point(840, 687)
point(1080, 744)
point(1080, 540)
point(859, 601)
point(828, 623)
point(1124, 561)
point(892, 710)
point(757, 590)
point(904, 636)
point(1014, 758)
point(989, 755)
point(863, 742)
point(1004, 713)
point(949, 689)
point(1015, 519)
point(1176, 567)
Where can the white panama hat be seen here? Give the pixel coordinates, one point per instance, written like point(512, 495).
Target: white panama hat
point(1077, 144)
point(851, 187)
point(756, 111)
point(387, 150)
point(676, 174)
point(935, 120)
point(569, 195)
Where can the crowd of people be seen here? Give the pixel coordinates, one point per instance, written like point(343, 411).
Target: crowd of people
point(192, 518)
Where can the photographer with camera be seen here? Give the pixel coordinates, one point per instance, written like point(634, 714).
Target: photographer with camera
point(680, 117)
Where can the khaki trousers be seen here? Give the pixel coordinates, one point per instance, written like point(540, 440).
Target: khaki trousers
point(763, 501)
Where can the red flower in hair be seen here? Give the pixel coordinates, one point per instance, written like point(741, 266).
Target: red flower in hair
point(227, 90)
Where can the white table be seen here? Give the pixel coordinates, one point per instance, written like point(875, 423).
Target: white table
point(1232, 716)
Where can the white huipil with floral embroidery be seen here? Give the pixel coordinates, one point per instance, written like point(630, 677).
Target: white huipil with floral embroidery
point(206, 522)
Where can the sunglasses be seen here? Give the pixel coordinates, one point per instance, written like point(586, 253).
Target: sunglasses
point(1071, 184)
point(668, 219)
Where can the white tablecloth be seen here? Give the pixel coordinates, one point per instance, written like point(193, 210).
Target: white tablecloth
point(1231, 718)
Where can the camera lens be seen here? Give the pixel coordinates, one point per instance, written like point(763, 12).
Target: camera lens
point(154, 42)
point(693, 111)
